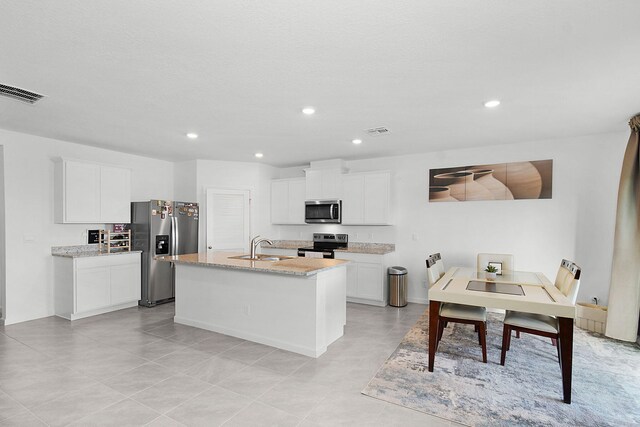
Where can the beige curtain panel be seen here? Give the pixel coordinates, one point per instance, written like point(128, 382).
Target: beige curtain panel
point(624, 293)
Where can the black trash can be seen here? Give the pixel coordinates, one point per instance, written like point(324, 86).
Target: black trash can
point(397, 286)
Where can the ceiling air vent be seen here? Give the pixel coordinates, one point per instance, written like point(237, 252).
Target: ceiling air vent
point(378, 131)
point(20, 94)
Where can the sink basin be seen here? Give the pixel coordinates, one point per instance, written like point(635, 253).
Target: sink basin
point(262, 257)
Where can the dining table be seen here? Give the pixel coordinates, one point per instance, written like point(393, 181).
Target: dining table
point(523, 291)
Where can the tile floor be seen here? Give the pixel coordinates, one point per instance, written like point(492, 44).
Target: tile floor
point(136, 367)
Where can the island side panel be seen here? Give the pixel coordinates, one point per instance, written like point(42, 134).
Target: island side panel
point(272, 309)
point(332, 312)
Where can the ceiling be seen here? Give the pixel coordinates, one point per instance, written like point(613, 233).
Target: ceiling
point(136, 76)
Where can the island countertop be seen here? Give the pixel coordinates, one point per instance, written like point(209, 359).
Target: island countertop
point(298, 266)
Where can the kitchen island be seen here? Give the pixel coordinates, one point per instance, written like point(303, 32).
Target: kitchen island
point(295, 304)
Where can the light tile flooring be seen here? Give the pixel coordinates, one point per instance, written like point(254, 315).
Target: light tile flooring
point(136, 367)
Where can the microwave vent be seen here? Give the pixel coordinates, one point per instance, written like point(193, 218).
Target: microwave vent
point(382, 130)
point(20, 94)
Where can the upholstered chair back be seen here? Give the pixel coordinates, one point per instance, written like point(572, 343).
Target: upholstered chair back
point(432, 271)
point(439, 263)
point(568, 280)
point(505, 259)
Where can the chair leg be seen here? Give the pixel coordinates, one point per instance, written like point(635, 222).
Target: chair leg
point(557, 348)
point(554, 342)
point(479, 330)
point(517, 334)
point(506, 334)
point(475, 328)
point(509, 339)
point(440, 331)
point(482, 326)
point(446, 324)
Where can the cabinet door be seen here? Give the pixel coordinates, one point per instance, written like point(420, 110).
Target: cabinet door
point(353, 199)
point(331, 182)
point(297, 193)
point(115, 195)
point(280, 202)
point(313, 183)
point(376, 198)
point(370, 281)
point(125, 283)
point(81, 192)
point(352, 280)
point(93, 289)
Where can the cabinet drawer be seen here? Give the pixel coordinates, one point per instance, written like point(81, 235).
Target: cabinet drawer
point(107, 260)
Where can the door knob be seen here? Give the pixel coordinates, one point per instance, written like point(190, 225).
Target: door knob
point(210, 247)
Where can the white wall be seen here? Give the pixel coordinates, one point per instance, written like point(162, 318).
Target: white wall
point(255, 177)
point(30, 231)
point(577, 223)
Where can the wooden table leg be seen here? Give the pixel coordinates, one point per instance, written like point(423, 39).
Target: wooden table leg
point(434, 316)
point(566, 354)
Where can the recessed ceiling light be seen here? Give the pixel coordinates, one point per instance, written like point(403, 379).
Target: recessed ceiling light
point(192, 135)
point(258, 155)
point(308, 110)
point(492, 104)
point(356, 141)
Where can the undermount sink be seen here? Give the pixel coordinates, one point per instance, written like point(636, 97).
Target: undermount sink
point(262, 257)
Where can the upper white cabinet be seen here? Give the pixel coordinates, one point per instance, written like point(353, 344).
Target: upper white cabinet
point(91, 193)
point(287, 201)
point(323, 184)
point(365, 198)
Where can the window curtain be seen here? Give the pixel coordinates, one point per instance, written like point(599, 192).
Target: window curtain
point(624, 293)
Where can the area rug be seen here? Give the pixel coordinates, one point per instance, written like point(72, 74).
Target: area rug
point(527, 391)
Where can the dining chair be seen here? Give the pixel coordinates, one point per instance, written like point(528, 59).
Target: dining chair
point(568, 282)
point(457, 313)
point(439, 263)
point(484, 259)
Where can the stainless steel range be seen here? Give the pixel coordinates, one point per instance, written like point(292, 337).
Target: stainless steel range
point(324, 245)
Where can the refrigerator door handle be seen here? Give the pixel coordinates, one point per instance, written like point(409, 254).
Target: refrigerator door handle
point(176, 233)
point(173, 236)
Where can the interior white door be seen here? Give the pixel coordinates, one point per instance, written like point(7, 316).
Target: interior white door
point(228, 220)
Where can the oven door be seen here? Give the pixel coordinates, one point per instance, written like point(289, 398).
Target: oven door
point(323, 212)
point(316, 253)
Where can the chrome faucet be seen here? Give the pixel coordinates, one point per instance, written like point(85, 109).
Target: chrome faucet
point(255, 242)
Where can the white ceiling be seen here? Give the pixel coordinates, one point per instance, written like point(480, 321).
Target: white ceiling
point(135, 76)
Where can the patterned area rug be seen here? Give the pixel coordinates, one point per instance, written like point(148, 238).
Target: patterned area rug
point(526, 391)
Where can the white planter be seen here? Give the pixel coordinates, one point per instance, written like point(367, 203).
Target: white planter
point(490, 276)
point(591, 317)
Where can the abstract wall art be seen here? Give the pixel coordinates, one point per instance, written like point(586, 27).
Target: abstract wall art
point(501, 181)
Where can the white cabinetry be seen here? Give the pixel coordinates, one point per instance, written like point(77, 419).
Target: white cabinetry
point(88, 192)
point(323, 184)
point(366, 277)
point(87, 286)
point(365, 198)
point(287, 201)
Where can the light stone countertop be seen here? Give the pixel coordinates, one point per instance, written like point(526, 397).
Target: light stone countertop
point(297, 266)
point(82, 251)
point(354, 247)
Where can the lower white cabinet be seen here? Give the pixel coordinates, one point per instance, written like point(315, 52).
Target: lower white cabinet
point(86, 286)
point(367, 277)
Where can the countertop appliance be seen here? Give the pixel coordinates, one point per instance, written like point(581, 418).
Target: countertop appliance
point(324, 245)
point(323, 211)
point(162, 227)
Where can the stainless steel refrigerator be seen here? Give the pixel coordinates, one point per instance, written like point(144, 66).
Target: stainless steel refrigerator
point(159, 228)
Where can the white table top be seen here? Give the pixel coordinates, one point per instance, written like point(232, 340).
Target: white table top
point(539, 294)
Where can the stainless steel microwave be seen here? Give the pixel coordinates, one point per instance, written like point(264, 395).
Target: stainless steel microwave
point(323, 211)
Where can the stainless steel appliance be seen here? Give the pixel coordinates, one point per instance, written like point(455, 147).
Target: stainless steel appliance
point(162, 227)
point(323, 211)
point(324, 245)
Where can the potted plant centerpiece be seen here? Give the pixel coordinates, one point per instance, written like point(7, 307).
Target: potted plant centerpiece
point(490, 272)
